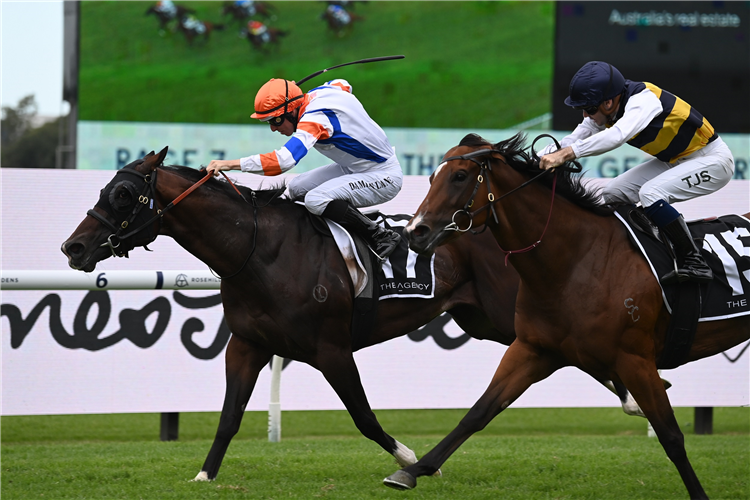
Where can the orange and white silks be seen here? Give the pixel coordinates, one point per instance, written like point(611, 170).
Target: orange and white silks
point(336, 124)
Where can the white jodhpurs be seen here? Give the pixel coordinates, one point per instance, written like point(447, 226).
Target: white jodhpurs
point(335, 182)
point(701, 173)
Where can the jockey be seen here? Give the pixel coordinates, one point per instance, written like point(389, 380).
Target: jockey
point(690, 159)
point(256, 28)
point(167, 7)
point(339, 13)
point(365, 171)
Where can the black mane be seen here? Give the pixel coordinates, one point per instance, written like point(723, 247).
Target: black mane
point(569, 184)
point(273, 194)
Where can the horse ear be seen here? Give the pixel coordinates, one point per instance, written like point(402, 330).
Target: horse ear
point(160, 157)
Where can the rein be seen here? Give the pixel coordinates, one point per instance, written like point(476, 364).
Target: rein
point(484, 168)
point(146, 197)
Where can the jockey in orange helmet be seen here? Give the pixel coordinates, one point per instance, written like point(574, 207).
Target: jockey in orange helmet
point(365, 170)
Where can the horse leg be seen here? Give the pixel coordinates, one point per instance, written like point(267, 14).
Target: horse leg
point(244, 360)
point(520, 367)
point(642, 378)
point(341, 372)
point(629, 405)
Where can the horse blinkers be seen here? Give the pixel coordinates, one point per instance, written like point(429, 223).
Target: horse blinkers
point(123, 202)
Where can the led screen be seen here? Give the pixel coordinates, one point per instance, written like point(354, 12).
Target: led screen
point(699, 51)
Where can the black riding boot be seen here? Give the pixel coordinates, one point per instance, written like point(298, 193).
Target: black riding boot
point(691, 264)
point(381, 241)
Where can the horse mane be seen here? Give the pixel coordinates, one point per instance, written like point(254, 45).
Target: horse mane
point(271, 195)
point(569, 184)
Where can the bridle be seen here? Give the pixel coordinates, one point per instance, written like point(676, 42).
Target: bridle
point(119, 241)
point(482, 158)
point(120, 244)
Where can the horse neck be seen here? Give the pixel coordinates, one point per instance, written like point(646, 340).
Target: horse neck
point(567, 231)
point(209, 224)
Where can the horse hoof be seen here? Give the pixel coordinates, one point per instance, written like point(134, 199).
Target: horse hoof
point(401, 480)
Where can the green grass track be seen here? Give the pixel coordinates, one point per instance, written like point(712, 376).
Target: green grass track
point(596, 453)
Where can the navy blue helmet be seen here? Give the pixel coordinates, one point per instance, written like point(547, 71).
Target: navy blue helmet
point(593, 84)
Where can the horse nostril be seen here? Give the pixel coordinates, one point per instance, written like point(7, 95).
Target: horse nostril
point(421, 231)
point(74, 249)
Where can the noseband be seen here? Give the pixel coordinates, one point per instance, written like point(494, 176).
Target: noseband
point(146, 197)
point(108, 204)
point(480, 157)
point(108, 200)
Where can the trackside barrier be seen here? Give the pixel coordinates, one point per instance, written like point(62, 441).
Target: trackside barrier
point(142, 280)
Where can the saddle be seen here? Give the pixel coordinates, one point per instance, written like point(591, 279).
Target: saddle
point(721, 241)
point(403, 274)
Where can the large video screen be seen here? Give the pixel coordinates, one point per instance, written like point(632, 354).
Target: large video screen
point(479, 65)
point(699, 51)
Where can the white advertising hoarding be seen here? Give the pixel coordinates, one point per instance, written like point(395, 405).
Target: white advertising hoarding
point(162, 351)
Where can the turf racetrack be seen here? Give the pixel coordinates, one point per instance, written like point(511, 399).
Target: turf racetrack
point(523, 454)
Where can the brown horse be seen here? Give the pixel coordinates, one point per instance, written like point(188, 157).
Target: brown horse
point(194, 28)
point(168, 13)
point(340, 20)
point(242, 13)
point(574, 282)
point(261, 248)
point(261, 36)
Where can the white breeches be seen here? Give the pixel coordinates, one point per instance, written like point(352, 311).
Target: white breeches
point(701, 173)
point(336, 182)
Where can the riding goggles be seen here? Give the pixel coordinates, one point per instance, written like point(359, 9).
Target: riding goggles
point(590, 110)
point(276, 121)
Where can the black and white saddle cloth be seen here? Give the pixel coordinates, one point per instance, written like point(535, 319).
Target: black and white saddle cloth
point(405, 274)
point(724, 243)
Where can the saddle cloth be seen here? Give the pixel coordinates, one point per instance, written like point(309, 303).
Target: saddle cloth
point(724, 243)
point(404, 274)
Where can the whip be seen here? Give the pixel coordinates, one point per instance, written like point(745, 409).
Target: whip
point(361, 61)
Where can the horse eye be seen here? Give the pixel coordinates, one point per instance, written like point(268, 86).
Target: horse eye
point(459, 176)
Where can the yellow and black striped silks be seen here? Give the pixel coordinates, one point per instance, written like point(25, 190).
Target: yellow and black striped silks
point(677, 131)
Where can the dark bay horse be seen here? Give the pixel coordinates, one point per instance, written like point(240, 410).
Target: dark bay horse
point(260, 248)
point(166, 14)
point(261, 36)
point(243, 12)
point(340, 20)
point(263, 248)
point(576, 283)
point(194, 28)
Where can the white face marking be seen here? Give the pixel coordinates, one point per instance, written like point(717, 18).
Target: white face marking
point(414, 222)
point(437, 170)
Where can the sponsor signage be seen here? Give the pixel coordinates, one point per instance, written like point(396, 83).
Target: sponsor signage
point(102, 350)
point(112, 145)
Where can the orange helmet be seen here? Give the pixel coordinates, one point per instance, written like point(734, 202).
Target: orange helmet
point(277, 97)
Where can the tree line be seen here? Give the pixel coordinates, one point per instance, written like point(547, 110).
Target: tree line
point(24, 143)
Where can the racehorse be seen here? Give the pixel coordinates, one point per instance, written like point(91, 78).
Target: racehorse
point(576, 281)
point(260, 247)
point(167, 13)
point(261, 36)
point(340, 21)
point(193, 28)
point(346, 3)
point(241, 13)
